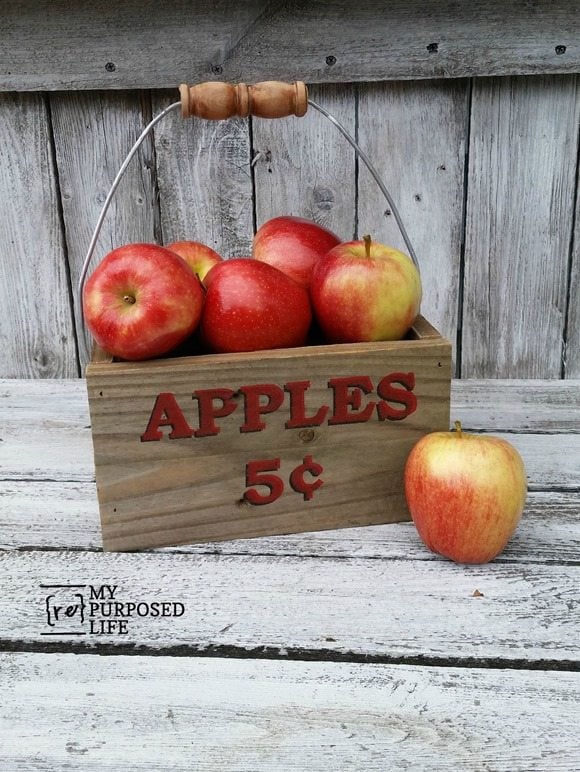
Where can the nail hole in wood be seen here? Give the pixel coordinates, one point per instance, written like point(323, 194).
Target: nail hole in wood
point(560, 50)
point(417, 197)
point(433, 48)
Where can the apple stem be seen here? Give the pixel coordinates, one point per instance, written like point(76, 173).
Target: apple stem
point(129, 299)
point(367, 241)
point(458, 428)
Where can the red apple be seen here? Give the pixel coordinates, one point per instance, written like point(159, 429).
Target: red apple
point(466, 493)
point(141, 301)
point(365, 291)
point(199, 257)
point(293, 245)
point(250, 306)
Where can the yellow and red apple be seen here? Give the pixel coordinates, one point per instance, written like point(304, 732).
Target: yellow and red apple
point(466, 493)
point(365, 291)
point(199, 257)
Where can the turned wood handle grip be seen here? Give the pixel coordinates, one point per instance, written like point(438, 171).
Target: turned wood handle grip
point(216, 101)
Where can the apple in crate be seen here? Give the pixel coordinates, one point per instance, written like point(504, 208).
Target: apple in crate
point(199, 257)
point(251, 306)
point(142, 301)
point(293, 245)
point(466, 493)
point(365, 291)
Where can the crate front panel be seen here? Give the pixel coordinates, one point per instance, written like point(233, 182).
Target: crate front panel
point(160, 492)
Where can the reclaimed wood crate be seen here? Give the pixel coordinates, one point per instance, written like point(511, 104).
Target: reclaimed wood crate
point(223, 446)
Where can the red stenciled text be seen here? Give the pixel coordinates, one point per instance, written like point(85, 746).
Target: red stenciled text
point(352, 399)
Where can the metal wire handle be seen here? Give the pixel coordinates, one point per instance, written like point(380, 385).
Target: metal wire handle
point(358, 150)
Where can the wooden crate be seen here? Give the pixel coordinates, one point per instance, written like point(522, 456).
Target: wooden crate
point(293, 440)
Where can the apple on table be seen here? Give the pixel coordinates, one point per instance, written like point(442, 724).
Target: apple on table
point(466, 493)
point(142, 301)
point(293, 245)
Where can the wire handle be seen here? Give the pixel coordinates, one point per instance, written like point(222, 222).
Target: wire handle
point(217, 101)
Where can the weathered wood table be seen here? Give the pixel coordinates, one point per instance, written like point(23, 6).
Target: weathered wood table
point(353, 649)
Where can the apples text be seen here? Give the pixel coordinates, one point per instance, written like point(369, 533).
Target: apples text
point(352, 399)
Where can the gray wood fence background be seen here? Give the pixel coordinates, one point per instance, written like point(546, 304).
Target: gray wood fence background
point(471, 116)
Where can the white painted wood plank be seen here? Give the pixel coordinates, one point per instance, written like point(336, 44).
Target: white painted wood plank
point(93, 132)
point(45, 432)
point(416, 134)
point(66, 516)
point(305, 167)
point(36, 328)
point(205, 182)
point(518, 228)
point(143, 44)
point(60, 448)
point(378, 608)
point(258, 716)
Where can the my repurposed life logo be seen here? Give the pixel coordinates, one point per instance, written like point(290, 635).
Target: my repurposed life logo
point(86, 609)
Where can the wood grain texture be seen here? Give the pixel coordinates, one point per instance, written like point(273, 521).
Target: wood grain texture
point(571, 367)
point(93, 133)
point(403, 609)
point(205, 182)
point(305, 167)
point(520, 406)
point(45, 433)
point(518, 226)
point(416, 135)
point(140, 44)
point(175, 491)
point(255, 716)
point(37, 335)
point(63, 515)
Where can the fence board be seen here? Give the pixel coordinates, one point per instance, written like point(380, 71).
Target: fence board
point(53, 44)
point(305, 167)
point(37, 337)
point(518, 226)
point(92, 134)
point(415, 134)
point(572, 343)
point(205, 183)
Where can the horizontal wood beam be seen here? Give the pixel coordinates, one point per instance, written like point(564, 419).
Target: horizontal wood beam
point(57, 45)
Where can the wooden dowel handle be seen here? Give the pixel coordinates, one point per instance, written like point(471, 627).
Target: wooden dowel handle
point(216, 101)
